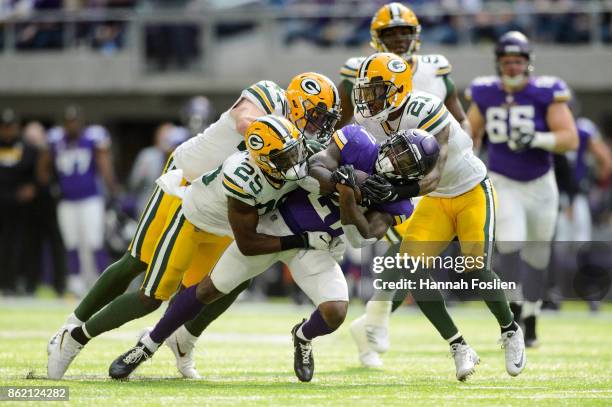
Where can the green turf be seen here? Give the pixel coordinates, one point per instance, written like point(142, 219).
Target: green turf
point(246, 358)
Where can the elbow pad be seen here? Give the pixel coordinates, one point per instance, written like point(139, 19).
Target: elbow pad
point(354, 237)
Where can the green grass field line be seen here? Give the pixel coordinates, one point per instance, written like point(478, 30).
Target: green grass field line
point(246, 359)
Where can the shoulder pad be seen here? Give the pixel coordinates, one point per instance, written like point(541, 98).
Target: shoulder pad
point(98, 135)
point(55, 134)
point(351, 66)
point(559, 91)
point(439, 62)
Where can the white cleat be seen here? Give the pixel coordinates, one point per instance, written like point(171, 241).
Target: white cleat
point(378, 338)
point(367, 356)
point(61, 351)
point(513, 343)
point(182, 343)
point(466, 360)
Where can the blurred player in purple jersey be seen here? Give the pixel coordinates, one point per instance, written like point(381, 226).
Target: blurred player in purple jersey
point(526, 119)
point(81, 154)
point(575, 223)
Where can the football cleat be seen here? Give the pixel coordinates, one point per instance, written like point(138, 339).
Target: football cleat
point(61, 351)
point(303, 359)
point(124, 365)
point(466, 360)
point(514, 346)
point(367, 356)
point(182, 344)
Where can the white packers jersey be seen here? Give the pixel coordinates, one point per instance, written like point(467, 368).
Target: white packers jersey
point(205, 200)
point(428, 73)
point(209, 149)
point(462, 170)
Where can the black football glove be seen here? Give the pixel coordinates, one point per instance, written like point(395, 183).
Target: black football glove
point(377, 189)
point(520, 140)
point(345, 175)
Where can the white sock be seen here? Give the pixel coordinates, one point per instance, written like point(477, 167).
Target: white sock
point(148, 342)
point(73, 320)
point(378, 312)
point(531, 309)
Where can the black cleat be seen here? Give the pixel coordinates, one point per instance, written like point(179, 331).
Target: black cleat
point(531, 339)
point(125, 364)
point(303, 360)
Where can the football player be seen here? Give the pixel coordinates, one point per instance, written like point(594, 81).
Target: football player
point(80, 154)
point(396, 29)
point(311, 101)
point(457, 201)
point(526, 119)
point(315, 271)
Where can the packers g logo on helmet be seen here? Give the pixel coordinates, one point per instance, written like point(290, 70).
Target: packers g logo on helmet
point(382, 85)
point(395, 28)
point(277, 147)
point(314, 105)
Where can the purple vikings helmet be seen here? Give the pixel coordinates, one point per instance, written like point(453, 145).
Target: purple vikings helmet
point(513, 43)
point(408, 155)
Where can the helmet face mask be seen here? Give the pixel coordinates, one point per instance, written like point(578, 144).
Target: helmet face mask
point(318, 123)
point(407, 156)
point(400, 39)
point(290, 162)
point(372, 98)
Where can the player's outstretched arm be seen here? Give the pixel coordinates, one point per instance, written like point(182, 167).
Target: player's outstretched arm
point(454, 106)
point(244, 218)
point(430, 182)
point(244, 113)
point(477, 124)
point(562, 127)
point(360, 229)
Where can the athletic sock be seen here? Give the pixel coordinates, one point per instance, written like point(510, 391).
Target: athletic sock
point(184, 308)
point(378, 312)
point(315, 326)
point(122, 309)
point(150, 343)
point(513, 326)
point(111, 283)
point(213, 310)
point(456, 339)
point(79, 335)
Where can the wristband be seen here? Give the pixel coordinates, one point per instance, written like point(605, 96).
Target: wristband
point(294, 242)
point(545, 141)
point(409, 190)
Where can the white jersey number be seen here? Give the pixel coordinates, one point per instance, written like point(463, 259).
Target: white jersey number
point(517, 118)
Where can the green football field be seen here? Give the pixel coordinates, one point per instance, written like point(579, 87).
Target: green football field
point(246, 358)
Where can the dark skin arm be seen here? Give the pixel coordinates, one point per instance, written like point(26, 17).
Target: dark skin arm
point(322, 165)
point(430, 182)
point(453, 105)
point(372, 224)
point(345, 89)
point(243, 219)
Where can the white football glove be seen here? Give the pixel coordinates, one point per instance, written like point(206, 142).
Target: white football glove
point(337, 248)
point(319, 240)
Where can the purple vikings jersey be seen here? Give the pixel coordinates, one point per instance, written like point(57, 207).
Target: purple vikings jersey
point(523, 110)
point(586, 131)
point(308, 212)
point(75, 161)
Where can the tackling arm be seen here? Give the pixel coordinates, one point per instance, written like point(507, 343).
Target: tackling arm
point(244, 113)
point(360, 229)
point(430, 182)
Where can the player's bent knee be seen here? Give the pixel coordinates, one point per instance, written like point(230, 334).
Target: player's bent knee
point(206, 292)
point(334, 313)
point(150, 303)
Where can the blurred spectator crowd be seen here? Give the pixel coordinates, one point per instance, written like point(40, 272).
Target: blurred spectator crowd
point(174, 43)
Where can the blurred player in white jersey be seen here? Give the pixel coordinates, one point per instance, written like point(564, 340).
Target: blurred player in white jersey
point(526, 119)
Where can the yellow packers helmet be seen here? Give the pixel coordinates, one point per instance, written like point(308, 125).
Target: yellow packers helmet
point(314, 105)
point(383, 83)
point(395, 28)
point(277, 147)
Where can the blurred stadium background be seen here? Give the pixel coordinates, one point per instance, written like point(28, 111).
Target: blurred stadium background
point(132, 65)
